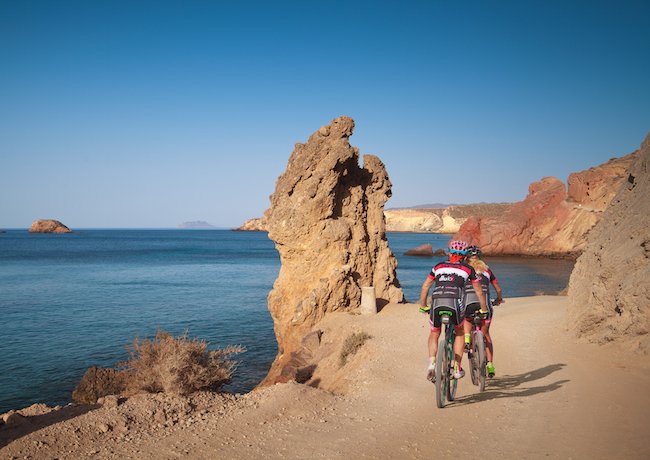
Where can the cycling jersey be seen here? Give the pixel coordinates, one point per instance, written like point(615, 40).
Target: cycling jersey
point(486, 278)
point(471, 299)
point(450, 279)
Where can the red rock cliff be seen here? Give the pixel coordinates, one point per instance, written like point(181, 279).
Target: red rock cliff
point(550, 220)
point(48, 226)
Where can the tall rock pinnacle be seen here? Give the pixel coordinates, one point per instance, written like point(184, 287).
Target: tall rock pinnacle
point(326, 219)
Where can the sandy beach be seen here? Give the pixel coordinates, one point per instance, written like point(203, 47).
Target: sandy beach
point(552, 398)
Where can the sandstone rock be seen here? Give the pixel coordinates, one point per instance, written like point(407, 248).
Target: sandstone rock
point(609, 293)
point(98, 382)
point(550, 221)
point(48, 226)
point(254, 225)
point(326, 219)
point(424, 250)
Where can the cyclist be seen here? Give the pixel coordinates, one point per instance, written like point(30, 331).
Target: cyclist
point(472, 302)
point(448, 279)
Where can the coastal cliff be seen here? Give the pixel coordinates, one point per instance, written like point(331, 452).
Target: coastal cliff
point(48, 226)
point(326, 219)
point(609, 294)
point(551, 220)
point(447, 219)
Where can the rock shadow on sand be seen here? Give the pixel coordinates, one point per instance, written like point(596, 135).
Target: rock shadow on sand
point(508, 386)
point(24, 425)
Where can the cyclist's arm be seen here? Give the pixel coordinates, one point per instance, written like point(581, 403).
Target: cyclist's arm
point(479, 293)
point(497, 288)
point(424, 292)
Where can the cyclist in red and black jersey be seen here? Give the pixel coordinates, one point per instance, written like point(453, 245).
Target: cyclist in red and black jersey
point(487, 278)
point(448, 279)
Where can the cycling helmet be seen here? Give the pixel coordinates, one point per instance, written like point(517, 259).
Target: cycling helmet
point(473, 251)
point(457, 247)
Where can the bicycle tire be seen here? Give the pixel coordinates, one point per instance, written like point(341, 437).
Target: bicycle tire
point(473, 365)
point(442, 371)
point(481, 360)
point(453, 383)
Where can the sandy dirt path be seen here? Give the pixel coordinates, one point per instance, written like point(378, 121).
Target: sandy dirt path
point(552, 398)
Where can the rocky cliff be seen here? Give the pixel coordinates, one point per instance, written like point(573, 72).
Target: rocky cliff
point(551, 220)
point(48, 226)
point(257, 224)
point(446, 219)
point(609, 293)
point(439, 220)
point(326, 219)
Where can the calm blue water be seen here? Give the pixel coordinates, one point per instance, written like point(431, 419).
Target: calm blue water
point(68, 302)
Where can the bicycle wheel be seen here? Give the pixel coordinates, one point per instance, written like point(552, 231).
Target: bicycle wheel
point(453, 383)
point(481, 362)
point(473, 364)
point(442, 371)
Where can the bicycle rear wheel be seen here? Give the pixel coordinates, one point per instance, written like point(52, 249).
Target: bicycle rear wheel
point(481, 361)
point(442, 371)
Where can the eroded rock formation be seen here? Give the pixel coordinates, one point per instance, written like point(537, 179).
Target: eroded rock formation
point(257, 224)
point(48, 226)
point(550, 221)
point(609, 293)
point(326, 219)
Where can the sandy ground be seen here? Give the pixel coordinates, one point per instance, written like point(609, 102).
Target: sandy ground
point(551, 398)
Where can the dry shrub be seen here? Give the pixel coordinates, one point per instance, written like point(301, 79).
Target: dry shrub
point(177, 365)
point(352, 345)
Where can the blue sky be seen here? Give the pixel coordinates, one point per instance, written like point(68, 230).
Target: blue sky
point(151, 113)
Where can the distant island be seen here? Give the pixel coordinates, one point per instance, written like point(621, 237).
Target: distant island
point(196, 224)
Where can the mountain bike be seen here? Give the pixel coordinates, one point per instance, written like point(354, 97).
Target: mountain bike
point(445, 384)
point(476, 354)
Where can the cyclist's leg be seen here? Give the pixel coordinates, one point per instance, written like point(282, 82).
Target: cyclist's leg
point(470, 311)
point(432, 343)
point(488, 340)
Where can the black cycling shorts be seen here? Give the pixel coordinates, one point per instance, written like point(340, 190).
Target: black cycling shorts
point(455, 307)
point(472, 308)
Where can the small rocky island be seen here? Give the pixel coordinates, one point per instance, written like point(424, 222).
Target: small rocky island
point(196, 224)
point(48, 226)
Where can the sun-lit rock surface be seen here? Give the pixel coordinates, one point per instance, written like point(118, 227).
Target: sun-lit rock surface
point(609, 293)
point(550, 221)
point(48, 226)
point(326, 219)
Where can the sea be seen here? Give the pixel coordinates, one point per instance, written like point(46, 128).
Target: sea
point(72, 301)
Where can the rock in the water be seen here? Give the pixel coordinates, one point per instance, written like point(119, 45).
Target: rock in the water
point(550, 221)
point(48, 226)
point(326, 219)
point(424, 250)
point(609, 293)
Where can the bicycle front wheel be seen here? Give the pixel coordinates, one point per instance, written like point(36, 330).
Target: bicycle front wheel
point(442, 371)
point(481, 360)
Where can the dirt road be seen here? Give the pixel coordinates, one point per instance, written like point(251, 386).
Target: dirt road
point(551, 398)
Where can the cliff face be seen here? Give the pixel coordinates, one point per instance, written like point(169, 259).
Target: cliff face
point(258, 224)
point(439, 220)
point(326, 219)
point(550, 220)
point(48, 226)
point(609, 293)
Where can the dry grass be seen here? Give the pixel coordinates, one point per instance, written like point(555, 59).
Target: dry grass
point(178, 365)
point(352, 345)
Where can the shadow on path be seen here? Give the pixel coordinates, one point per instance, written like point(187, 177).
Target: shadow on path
point(509, 386)
point(22, 426)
